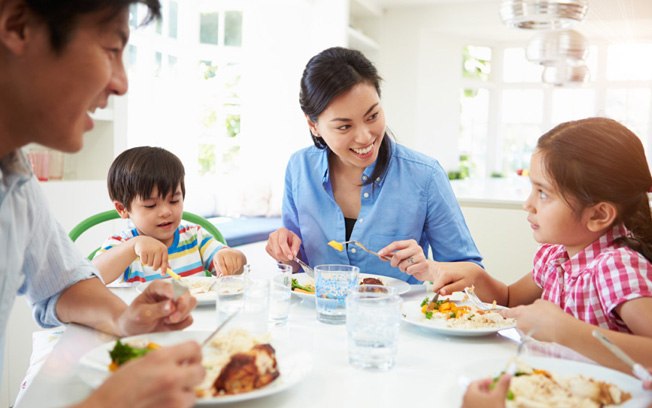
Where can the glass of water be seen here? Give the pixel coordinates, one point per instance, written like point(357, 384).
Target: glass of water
point(372, 323)
point(230, 291)
point(332, 284)
point(280, 293)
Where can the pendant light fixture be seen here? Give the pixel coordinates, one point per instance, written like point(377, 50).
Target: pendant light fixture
point(542, 14)
point(563, 74)
point(554, 46)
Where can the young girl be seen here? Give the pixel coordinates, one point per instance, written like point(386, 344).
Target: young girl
point(589, 208)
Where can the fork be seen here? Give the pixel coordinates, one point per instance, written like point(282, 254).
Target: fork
point(306, 268)
point(511, 364)
point(364, 248)
point(221, 325)
point(179, 288)
point(476, 300)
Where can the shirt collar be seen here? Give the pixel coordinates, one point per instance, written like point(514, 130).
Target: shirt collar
point(15, 165)
point(587, 255)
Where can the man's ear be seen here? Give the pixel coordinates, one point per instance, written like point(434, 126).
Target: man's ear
point(601, 216)
point(15, 17)
point(121, 209)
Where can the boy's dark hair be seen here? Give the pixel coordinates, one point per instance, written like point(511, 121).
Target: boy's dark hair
point(598, 159)
point(61, 16)
point(331, 73)
point(136, 171)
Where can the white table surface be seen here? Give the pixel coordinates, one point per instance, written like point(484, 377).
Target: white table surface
point(426, 373)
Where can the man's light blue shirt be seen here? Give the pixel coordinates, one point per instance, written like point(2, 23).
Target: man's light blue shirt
point(37, 259)
point(412, 200)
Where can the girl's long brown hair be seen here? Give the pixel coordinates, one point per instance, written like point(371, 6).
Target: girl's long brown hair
point(598, 159)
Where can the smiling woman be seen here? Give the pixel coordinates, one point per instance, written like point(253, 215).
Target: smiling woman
point(362, 183)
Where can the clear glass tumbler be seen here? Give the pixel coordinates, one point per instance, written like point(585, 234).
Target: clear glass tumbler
point(372, 323)
point(332, 284)
point(280, 294)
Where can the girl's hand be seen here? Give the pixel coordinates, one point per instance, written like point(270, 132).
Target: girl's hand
point(229, 261)
point(480, 394)
point(283, 245)
point(544, 318)
point(152, 252)
point(408, 257)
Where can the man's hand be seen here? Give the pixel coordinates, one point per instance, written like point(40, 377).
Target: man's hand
point(155, 310)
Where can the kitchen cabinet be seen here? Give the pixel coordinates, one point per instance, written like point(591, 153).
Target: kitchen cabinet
point(364, 27)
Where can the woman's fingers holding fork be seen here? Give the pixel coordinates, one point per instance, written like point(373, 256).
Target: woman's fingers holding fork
point(406, 255)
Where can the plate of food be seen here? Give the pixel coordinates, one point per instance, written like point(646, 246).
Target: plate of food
point(454, 316)
point(304, 286)
point(224, 359)
point(554, 382)
point(201, 287)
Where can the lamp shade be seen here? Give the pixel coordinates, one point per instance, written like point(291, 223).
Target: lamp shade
point(542, 14)
point(563, 74)
point(551, 47)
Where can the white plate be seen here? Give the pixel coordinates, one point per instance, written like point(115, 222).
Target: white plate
point(194, 284)
point(490, 368)
point(93, 366)
point(411, 313)
point(400, 286)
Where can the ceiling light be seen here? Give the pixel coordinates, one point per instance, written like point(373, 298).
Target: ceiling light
point(551, 47)
point(563, 74)
point(542, 14)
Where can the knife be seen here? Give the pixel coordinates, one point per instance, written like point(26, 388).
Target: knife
point(639, 371)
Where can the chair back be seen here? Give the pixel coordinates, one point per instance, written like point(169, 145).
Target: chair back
point(109, 215)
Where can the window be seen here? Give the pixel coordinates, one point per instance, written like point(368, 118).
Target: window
point(504, 112)
point(192, 70)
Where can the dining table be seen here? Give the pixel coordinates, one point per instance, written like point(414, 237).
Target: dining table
point(431, 368)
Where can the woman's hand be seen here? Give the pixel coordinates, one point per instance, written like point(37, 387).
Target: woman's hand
point(229, 261)
point(480, 394)
point(156, 310)
point(283, 245)
point(152, 252)
point(408, 257)
point(163, 378)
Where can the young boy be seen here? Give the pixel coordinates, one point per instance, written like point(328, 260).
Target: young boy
point(147, 186)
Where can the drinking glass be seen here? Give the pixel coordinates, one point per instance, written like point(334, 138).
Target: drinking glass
point(255, 307)
point(332, 284)
point(372, 323)
point(230, 295)
point(280, 293)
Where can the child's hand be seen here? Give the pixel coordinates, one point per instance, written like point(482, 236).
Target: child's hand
point(229, 261)
point(481, 393)
point(545, 319)
point(152, 252)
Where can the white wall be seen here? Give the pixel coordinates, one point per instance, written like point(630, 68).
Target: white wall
point(504, 239)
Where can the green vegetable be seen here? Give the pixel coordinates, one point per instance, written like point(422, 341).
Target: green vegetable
point(428, 315)
point(297, 285)
point(510, 395)
point(425, 301)
point(122, 353)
